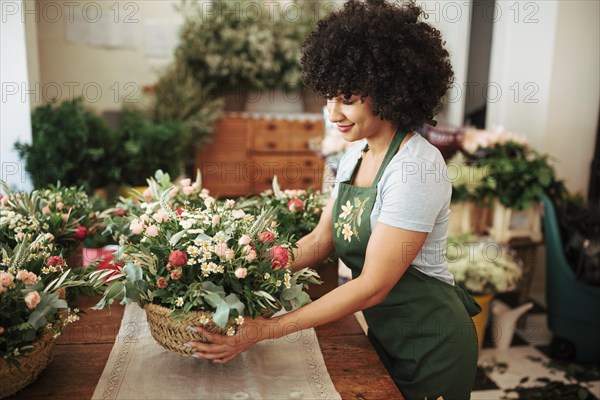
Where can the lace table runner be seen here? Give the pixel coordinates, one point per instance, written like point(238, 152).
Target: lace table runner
point(138, 368)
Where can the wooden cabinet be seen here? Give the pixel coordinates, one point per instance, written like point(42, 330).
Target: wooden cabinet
point(248, 150)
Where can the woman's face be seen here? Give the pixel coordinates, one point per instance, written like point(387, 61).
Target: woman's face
point(354, 118)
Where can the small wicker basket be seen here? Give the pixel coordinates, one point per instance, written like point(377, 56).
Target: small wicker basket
point(31, 364)
point(172, 333)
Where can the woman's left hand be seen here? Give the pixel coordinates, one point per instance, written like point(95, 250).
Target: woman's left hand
point(222, 349)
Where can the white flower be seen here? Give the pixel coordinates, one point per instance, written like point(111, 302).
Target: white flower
point(230, 331)
point(204, 319)
point(187, 223)
point(229, 203)
point(179, 302)
point(239, 320)
point(238, 213)
point(347, 231)
point(347, 209)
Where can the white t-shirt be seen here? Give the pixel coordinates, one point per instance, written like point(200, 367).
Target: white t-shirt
point(413, 194)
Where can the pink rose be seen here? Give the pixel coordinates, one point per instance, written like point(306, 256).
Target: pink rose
point(229, 254)
point(187, 190)
point(80, 233)
point(54, 261)
point(147, 194)
point(176, 274)
point(4, 200)
point(1, 330)
point(220, 249)
point(216, 219)
point(266, 237)
point(6, 279)
point(161, 216)
point(238, 213)
point(152, 231)
point(136, 227)
point(209, 201)
point(177, 258)
point(28, 278)
point(241, 273)
point(173, 191)
point(161, 283)
point(295, 205)
point(185, 182)
point(279, 257)
point(32, 299)
point(65, 217)
point(60, 205)
point(244, 240)
point(46, 210)
point(251, 256)
point(20, 235)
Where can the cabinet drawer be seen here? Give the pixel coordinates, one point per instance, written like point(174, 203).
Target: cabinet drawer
point(301, 133)
point(270, 135)
point(302, 172)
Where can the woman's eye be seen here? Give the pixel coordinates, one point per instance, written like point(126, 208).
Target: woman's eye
point(347, 102)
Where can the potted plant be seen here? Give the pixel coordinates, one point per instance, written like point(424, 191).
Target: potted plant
point(177, 96)
point(212, 266)
point(33, 312)
point(237, 52)
point(484, 268)
point(148, 145)
point(510, 177)
point(71, 145)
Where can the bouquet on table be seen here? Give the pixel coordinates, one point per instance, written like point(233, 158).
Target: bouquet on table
point(33, 312)
point(62, 212)
point(211, 266)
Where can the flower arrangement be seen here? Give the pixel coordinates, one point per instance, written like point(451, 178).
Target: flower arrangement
point(297, 211)
point(481, 266)
point(64, 212)
point(217, 260)
point(32, 276)
point(501, 165)
point(229, 48)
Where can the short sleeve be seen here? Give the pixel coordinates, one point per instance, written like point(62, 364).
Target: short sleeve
point(413, 192)
point(345, 167)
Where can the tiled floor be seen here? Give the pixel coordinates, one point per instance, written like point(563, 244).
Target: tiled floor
point(528, 356)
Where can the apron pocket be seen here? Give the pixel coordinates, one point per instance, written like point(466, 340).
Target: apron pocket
point(473, 308)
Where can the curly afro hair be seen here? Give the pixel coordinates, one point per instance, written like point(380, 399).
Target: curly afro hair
point(378, 49)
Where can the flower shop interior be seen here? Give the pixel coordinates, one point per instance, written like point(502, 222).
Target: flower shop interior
point(120, 118)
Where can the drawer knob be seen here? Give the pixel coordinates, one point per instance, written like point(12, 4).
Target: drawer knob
point(309, 126)
point(271, 127)
point(307, 181)
point(271, 145)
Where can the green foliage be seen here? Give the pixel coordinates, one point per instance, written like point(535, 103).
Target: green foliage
point(71, 145)
point(511, 173)
point(148, 146)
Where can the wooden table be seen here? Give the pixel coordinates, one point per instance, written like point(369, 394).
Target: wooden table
point(83, 349)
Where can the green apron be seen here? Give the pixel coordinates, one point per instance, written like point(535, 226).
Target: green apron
point(422, 331)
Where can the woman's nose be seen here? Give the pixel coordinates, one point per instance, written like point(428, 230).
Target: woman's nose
point(335, 114)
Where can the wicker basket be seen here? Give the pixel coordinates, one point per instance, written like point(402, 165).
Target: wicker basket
point(172, 333)
point(31, 364)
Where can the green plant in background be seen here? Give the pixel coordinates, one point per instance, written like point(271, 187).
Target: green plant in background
point(148, 146)
point(71, 145)
point(177, 96)
point(467, 180)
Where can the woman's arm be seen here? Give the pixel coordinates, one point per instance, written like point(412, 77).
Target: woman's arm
point(318, 244)
point(389, 253)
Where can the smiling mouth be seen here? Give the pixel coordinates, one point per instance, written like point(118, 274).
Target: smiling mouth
point(344, 128)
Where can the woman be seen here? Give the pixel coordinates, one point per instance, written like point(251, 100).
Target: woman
point(384, 74)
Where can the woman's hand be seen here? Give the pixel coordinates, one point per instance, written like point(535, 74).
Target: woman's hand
point(222, 349)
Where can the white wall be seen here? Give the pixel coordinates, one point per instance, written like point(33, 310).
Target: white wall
point(545, 63)
point(106, 75)
point(453, 19)
point(14, 105)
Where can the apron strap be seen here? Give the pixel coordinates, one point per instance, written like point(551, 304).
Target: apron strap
point(392, 150)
